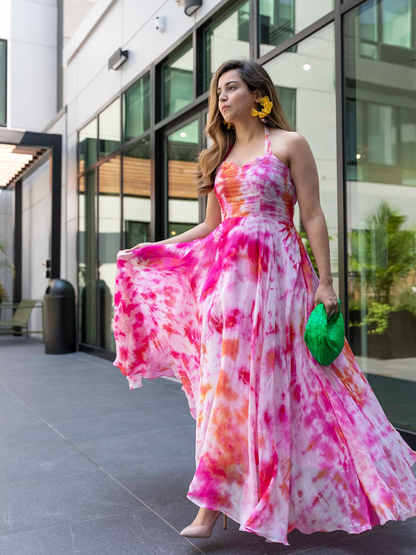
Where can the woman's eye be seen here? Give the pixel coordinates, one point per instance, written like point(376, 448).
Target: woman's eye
point(229, 88)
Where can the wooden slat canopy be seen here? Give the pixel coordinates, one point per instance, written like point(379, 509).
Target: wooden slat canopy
point(136, 178)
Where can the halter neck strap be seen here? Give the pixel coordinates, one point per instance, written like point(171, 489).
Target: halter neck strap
point(267, 143)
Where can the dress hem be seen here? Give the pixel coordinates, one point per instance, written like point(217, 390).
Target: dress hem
point(284, 541)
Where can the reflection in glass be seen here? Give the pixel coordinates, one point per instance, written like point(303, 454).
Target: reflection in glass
point(385, 31)
point(136, 194)
point(87, 259)
point(305, 84)
point(87, 146)
point(381, 209)
point(3, 80)
point(183, 208)
point(227, 38)
point(178, 82)
point(108, 247)
point(281, 19)
point(109, 129)
point(137, 108)
point(396, 17)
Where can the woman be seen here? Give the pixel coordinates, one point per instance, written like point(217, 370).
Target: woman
point(282, 442)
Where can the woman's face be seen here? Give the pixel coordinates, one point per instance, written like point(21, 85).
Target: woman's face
point(235, 100)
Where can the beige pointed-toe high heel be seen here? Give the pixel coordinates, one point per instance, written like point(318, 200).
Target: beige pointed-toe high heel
point(202, 531)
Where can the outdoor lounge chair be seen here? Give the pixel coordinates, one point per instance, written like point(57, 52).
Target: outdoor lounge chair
point(20, 319)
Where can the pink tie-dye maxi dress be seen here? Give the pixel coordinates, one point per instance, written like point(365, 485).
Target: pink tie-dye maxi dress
point(281, 441)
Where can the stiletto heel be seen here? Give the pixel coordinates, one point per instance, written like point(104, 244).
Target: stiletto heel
point(202, 531)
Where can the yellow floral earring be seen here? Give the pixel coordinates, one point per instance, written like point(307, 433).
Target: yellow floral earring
point(229, 123)
point(267, 107)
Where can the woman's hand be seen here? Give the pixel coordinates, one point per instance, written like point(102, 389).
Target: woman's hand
point(326, 294)
point(138, 246)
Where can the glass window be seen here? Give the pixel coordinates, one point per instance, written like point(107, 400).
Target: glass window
point(381, 210)
point(281, 19)
point(87, 260)
point(183, 206)
point(136, 194)
point(109, 129)
point(178, 78)
point(227, 37)
point(109, 244)
point(305, 85)
point(396, 17)
point(136, 102)
point(87, 146)
point(3, 82)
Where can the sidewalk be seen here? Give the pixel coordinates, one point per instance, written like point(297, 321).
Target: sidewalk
point(90, 467)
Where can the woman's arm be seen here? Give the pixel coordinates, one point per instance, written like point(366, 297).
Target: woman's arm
point(212, 220)
point(305, 177)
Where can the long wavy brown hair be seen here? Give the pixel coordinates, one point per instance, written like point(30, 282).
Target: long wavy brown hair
point(255, 77)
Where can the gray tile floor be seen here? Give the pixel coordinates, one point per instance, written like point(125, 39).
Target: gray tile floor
point(90, 467)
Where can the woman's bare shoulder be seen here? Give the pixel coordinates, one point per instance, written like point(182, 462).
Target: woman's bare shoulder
point(285, 144)
point(288, 137)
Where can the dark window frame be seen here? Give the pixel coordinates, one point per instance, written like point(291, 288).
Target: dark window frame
point(5, 42)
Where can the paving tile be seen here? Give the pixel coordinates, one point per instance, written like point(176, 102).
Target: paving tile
point(141, 533)
point(56, 501)
point(49, 541)
point(135, 533)
point(83, 393)
point(29, 435)
point(13, 412)
point(117, 424)
point(159, 482)
point(48, 459)
point(399, 540)
point(145, 446)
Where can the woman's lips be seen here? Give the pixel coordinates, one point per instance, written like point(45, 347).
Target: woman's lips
point(224, 108)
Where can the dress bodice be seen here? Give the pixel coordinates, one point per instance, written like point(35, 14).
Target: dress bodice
point(262, 187)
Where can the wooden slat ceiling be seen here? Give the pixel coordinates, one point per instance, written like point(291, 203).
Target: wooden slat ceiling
point(15, 161)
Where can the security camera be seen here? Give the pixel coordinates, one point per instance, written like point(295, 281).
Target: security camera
point(160, 23)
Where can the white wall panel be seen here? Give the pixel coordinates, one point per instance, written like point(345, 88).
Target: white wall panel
point(99, 47)
point(33, 96)
point(96, 94)
point(34, 22)
point(5, 18)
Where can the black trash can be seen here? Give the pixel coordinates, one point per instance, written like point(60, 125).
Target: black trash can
point(59, 318)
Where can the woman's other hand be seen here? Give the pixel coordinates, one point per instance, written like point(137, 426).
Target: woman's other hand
point(138, 246)
point(325, 294)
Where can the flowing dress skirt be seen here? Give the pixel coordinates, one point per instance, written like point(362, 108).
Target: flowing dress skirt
point(282, 442)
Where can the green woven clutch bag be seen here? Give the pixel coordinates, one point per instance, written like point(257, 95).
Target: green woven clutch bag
point(325, 338)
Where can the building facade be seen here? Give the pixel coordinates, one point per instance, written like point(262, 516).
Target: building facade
point(345, 73)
